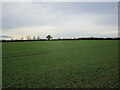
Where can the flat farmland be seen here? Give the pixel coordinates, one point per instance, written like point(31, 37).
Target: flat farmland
point(60, 64)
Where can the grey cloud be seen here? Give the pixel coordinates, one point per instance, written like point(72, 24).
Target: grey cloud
point(25, 15)
point(22, 14)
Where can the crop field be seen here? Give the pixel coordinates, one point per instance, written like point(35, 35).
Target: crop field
point(60, 64)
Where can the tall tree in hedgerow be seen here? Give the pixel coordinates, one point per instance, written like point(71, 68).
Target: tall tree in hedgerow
point(49, 37)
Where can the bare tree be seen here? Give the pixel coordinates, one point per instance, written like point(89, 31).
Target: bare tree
point(34, 38)
point(22, 38)
point(28, 38)
point(38, 38)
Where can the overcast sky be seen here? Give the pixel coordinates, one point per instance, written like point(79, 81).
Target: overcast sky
point(60, 19)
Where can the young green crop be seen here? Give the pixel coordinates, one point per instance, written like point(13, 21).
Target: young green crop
point(60, 64)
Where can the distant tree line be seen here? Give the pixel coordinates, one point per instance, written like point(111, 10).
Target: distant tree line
point(50, 38)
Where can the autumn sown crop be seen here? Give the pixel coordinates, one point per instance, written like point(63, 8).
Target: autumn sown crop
point(60, 64)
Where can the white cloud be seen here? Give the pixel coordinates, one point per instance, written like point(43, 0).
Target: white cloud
point(59, 20)
point(72, 26)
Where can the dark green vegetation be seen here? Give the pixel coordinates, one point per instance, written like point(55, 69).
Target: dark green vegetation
point(68, 64)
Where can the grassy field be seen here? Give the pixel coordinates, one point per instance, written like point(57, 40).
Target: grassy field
point(60, 64)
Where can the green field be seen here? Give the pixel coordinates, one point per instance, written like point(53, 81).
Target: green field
point(60, 64)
